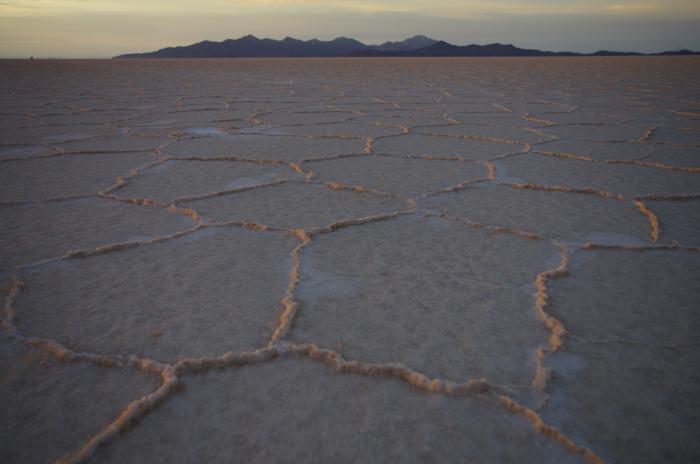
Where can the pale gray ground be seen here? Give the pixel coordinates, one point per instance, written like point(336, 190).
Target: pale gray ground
point(405, 260)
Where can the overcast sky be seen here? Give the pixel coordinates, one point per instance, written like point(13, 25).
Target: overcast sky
point(104, 28)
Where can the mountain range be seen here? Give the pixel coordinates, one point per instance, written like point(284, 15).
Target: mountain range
point(250, 46)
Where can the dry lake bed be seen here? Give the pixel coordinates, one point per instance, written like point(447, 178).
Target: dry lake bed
point(350, 260)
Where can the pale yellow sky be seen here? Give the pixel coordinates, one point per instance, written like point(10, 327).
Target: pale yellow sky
point(102, 28)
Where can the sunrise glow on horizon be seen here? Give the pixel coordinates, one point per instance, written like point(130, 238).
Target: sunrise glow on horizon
point(104, 28)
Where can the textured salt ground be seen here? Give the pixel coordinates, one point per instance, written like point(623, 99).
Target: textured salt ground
point(671, 155)
point(628, 180)
point(260, 147)
point(633, 352)
point(25, 151)
point(175, 179)
point(295, 206)
point(91, 117)
point(187, 118)
point(38, 133)
point(448, 147)
point(616, 116)
point(65, 176)
point(609, 132)
point(565, 216)
point(506, 120)
point(160, 306)
point(485, 131)
point(112, 143)
point(679, 220)
point(304, 117)
point(348, 129)
point(295, 410)
point(599, 151)
point(403, 176)
point(395, 291)
point(680, 136)
point(82, 224)
point(205, 293)
point(50, 408)
point(401, 119)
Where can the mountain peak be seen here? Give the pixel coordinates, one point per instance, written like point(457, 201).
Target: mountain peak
point(418, 45)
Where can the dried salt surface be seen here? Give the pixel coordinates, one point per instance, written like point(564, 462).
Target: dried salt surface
point(402, 176)
point(632, 353)
point(86, 117)
point(306, 117)
point(510, 134)
point(53, 134)
point(295, 206)
point(24, 151)
point(348, 129)
point(177, 179)
point(84, 224)
point(575, 217)
point(683, 136)
point(65, 176)
point(617, 116)
point(598, 151)
point(680, 221)
point(113, 143)
point(264, 147)
point(50, 408)
point(296, 410)
point(187, 118)
point(674, 156)
point(205, 293)
point(446, 147)
point(440, 297)
point(630, 181)
point(627, 132)
point(244, 286)
point(413, 120)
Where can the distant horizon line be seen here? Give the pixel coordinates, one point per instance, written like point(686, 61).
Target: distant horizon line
point(562, 53)
point(250, 46)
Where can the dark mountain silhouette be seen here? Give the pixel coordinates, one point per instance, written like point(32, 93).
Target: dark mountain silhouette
point(443, 48)
point(250, 46)
point(414, 43)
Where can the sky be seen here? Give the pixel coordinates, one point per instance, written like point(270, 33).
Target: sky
point(104, 28)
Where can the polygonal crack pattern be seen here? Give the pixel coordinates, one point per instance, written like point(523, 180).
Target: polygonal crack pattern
point(295, 206)
point(58, 405)
point(633, 352)
point(349, 260)
point(316, 414)
point(203, 293)
point(438, 296)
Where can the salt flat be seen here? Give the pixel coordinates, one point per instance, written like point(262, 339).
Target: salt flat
point(350, 260)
